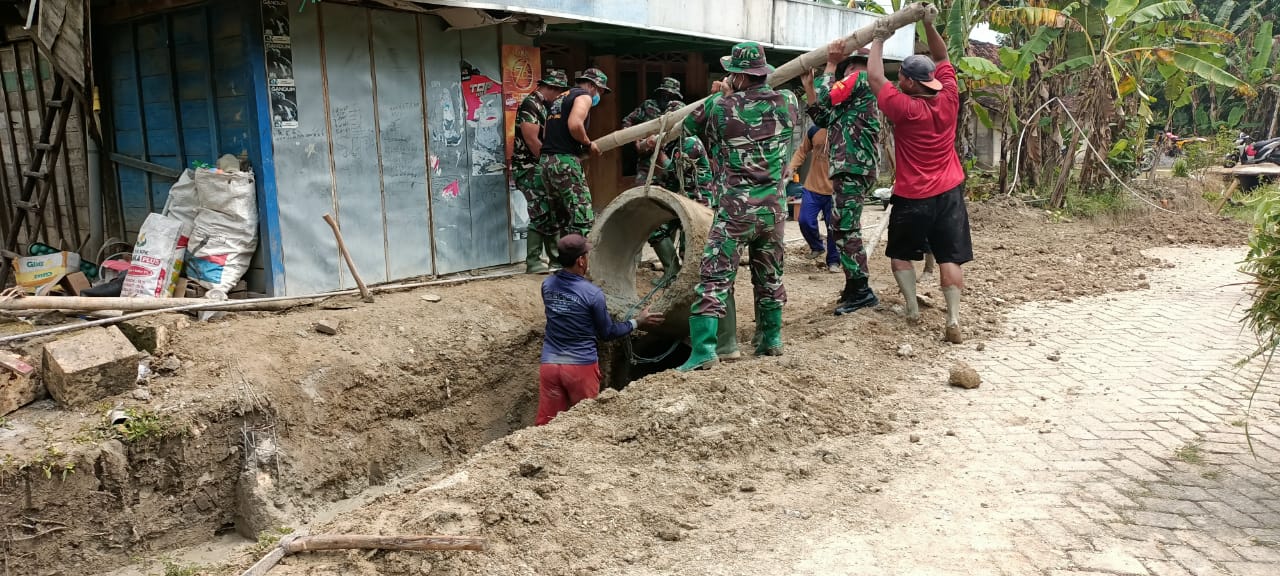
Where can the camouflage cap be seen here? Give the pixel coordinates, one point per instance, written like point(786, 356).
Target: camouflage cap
point(673, 105)
point(670, 86)
point(555, 79)
point(595, 76)
point(747, 58)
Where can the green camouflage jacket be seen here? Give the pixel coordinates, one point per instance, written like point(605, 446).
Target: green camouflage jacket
point(749, 134)
point(847, 109)
point(688, 171)
point(533, 110)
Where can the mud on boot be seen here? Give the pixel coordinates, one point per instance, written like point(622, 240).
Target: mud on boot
point(857, 294)
point(533, 263)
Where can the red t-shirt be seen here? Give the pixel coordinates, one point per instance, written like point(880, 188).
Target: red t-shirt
point(924, 137)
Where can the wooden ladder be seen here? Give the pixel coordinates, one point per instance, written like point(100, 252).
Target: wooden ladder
point(37, 183)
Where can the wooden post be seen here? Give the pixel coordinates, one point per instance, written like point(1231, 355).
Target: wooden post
point(351, 265)
point(605, 170)
point(294, 544)
point(1226, 196)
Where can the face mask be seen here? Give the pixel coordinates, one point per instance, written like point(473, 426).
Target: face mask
point(595, 99)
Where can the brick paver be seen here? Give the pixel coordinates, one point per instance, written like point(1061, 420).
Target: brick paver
point(1126, 455)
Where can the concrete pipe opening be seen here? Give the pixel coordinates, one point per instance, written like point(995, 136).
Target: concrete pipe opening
point(621, 232)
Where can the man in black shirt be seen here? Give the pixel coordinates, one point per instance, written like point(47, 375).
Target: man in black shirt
point(532, 114)
point(564, 143)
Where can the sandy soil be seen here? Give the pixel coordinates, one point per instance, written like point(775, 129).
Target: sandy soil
point(679, 466)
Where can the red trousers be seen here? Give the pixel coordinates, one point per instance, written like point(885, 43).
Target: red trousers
point(560, 386)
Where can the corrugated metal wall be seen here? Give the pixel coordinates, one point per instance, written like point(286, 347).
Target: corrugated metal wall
point(382, 138)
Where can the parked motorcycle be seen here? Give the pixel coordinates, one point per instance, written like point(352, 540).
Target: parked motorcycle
point(1166, 144)
point(1248, 152)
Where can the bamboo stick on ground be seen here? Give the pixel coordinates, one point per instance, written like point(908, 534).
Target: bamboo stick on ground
point(294, 544)
point(783, 74)
point(89, 304)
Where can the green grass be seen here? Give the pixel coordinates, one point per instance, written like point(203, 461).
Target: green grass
point(1102, 203)
point(142, 424)
point(175, 569)
point(1190, 454)
point(267, 539)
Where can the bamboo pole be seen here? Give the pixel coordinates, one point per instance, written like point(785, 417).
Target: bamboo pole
point(292, 545)
point(783, 74)
point(204, 305)
point(90, 304)
point(365, 295)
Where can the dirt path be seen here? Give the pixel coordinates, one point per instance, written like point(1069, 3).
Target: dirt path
point(773, 462)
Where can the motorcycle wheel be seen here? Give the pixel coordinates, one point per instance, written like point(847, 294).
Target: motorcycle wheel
point(1148, 160)
point(1230, 162)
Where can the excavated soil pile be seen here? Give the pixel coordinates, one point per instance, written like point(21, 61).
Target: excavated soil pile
point(606, 487)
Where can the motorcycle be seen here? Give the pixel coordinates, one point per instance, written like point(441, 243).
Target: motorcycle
point(1166, 144)
point(1249, 152)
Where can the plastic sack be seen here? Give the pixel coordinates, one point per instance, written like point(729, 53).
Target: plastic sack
point(225, 232)
point(183, 203)
point(157, 258)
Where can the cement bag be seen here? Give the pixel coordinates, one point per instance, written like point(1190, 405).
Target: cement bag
point(226, 229)
point(183, 202)
point(157, 258)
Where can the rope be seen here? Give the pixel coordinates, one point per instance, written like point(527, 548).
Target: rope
point(1026, 124)
point(636, 358)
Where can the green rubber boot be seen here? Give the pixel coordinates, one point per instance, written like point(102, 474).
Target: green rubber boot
point(758, 334)
point(727, 333)
point(769, 329)
point(533, 254)
point(666, 250)
point(702, 343)
point(553, 253)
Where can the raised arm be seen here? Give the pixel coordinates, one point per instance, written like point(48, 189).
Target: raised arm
point(875, 64)
point(937, 46)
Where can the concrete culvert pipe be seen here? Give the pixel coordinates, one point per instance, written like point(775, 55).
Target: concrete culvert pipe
point(621, 232)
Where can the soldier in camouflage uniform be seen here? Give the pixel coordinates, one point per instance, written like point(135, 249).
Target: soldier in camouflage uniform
point(565, 144)
point(530, 117)
point(751, 125)
point(846, 107)
point(668, 91)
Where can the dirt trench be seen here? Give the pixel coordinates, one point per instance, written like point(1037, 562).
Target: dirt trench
point(266, 423)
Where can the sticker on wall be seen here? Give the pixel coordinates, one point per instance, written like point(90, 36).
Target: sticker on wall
point(278, 51)
point(478, 92)
point(275, 20)
point(284, 107)
point(446, 127)
point(279, 64)
point(435, 164)
point(521, 68)
point(483, 99)
point(452, 190)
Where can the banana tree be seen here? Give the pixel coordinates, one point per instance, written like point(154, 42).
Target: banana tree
point(1110, 43)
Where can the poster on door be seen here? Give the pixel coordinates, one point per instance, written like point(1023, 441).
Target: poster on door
point(521, 70)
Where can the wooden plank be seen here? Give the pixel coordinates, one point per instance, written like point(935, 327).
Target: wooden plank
point(1250, 170)
point(145, 166)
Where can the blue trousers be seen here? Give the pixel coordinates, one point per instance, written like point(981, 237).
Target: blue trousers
point(810, 205)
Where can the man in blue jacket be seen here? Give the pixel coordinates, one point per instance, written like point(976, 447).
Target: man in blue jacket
point(576, 319)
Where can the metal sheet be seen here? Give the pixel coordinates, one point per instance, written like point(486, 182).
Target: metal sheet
point(402, 140)
point(448, 158)
point(354, 138)
point(490, 199)
point(807, 25)
point(304, 180)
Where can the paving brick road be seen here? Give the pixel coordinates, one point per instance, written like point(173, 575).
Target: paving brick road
point(1115, 444)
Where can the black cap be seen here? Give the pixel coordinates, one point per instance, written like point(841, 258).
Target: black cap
point(572, 247)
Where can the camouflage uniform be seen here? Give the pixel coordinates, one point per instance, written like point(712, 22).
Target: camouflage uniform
point(847, 109)
point(687, 172)
point(752, 130)
point(650, 109)
point(524, 165)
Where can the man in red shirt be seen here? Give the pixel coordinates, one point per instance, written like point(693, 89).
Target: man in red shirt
point(929, 212)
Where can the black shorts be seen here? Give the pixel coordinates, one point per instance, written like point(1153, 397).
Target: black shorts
point(939, 224)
